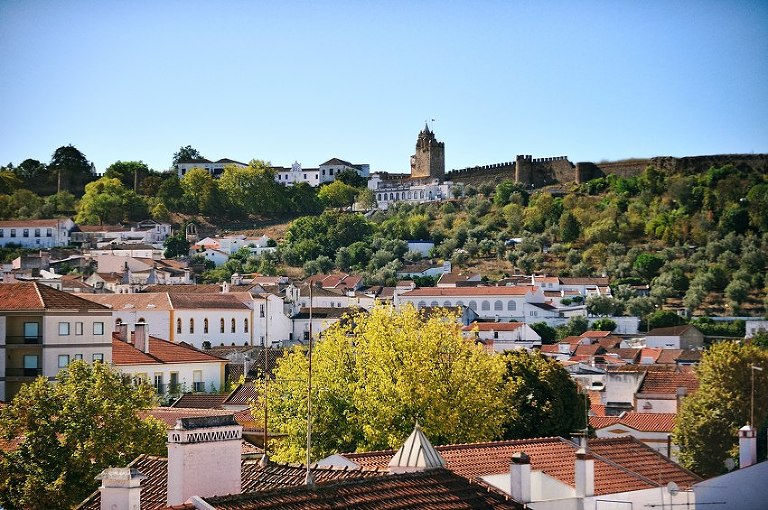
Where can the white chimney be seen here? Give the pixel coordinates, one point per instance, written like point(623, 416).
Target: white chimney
point(140, 340)
point(520, 478)
point(747, 446)
point(204, 458)
point(120, 489)
point(122, 332)
point(584, 474)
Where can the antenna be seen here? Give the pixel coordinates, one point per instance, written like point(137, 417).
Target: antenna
point(310, 479)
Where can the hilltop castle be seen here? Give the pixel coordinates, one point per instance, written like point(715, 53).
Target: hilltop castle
point(429, 160)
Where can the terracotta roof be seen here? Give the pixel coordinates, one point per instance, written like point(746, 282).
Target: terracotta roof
point(595, 334)
point(494, 326)
point(660, 382)
point(469, 291)
point(436, 489)
point(599, 422)
point(671, 331)
point(52, 223)
point(226, 301)
point(199, 401)
point(554, 456)
point(650, 353)
point(242, 395)
point(584, 281)
point(160, 352)
point(453, 278)
point(36, 296)
point(649, 422)
point(668, 356)
point(132, 301)
point(154, 488)
point(626, 354)
point(589, 350)
point(610, 342)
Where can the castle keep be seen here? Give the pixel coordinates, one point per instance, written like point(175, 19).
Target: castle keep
point(429, 160)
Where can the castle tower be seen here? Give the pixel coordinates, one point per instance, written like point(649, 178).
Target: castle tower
point(429, 160)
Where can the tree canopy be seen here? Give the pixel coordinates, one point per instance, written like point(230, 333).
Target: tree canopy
point(186, 153)
point(375, 375)
point(69, 432)
point(70, 170)
point(708, 422)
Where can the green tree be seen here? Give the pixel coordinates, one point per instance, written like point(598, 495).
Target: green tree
point(69, 432)
point(547, 333)
point(708, 422)
point(366, 198)
point(186, 153)
point(378, 373)
point(570, 228)
point(574, 327)
point(176, 245)
point(200, 191)
point(542, 398)
point(604, 306)
point(171, 194)
point(604, 324)
point(71, 169)
point(664, 319)
point(107, 201)
point(253, 189)
point(130, 173)
point(337, 194)
point(757, 204)
point(352, 178)
point(647, 265)
point(32, 173)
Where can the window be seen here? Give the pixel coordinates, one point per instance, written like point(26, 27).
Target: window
point(78, 328)
point(421, 304)
point(159, 387)
point(511, 305)
point(31, 330)
point(197, 381)
point(26, 232)
point(98, 328)
point(473, 305)
point(486, 306)
point(446, 303)
point(434, 304)
point(498, 305)
point(205, 326)
point(245, 326)
point(221, 326)
point(2, 233)
point(234, 326)
point(118, 322)
point(495, 334)
point(174, 381)
point(79, 356)
point(460, 303)
point(63, 328)
point(48, 232)
point(63, 360)
point(13, 232)
point(178, 325)
point(31, 367)
point(191, 325)
point(97, 356)
point(261, 311)
point(37, 232)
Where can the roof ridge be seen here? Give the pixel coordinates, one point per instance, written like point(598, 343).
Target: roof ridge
point(39, 294)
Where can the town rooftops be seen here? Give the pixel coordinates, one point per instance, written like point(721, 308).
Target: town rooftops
point(225, 301)
point(135, 301)
point(36, 296)
point(49, 223)
point(668, 383)
point(159, 352)
point(670, 331)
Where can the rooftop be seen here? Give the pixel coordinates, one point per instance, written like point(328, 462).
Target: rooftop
point(36, 296)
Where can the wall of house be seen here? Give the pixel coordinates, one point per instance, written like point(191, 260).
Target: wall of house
point(622, 386)
point(211, 374)
point(158, 321)
point(86, 344)
point(214, 335)
point(656, 405)
point(739, 489)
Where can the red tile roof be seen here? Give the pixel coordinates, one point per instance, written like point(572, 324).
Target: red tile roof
point(670, 331)
point(554, 456)
point(436, 489)
point(36, 296)
point(242, 395)
point(595, 334)
point(199, 401)
point(667, 382)
point(226, 301)
point(599, 422)
point(160, 352)
point(469, 291)
point(494, 326)
point(649, 422)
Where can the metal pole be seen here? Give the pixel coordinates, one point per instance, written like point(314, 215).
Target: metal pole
point(309, 479)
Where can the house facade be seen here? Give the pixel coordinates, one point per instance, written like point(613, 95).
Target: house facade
point(215, 168)
point(43, 329)
point(37, 233)
point(503, 336)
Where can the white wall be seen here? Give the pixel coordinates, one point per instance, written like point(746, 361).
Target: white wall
point(212, 373)
point(214, 335)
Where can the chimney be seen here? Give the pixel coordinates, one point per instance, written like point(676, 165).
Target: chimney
point(520, 478)
point(120, 489)
point(584, 474)
point(747, 446)
point(122, 332)
point(225, 287)
point(204, 458)
point(140, 340)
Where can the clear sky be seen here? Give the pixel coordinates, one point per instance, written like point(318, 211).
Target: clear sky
point(306, 81)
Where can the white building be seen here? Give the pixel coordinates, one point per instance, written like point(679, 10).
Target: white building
point(391, 191)
point(503, 336)
point(325, 173)
point(37, 233)
point(215, 168)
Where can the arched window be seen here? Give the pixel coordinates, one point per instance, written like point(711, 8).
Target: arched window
point(178, 325)
point(498, 305)
point(234, 326)
point(191, 325)
point(486, 306)
point(459, 303)
point(421, 304)
point(434, 303)
point(118, 322)
point(141, 319)
point(473, 305)
point(205, 326)
point(511, 305)
point(245, 325)
point(221, 326)
point(446, 303)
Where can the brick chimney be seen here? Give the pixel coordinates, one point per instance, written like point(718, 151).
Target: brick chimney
point(747, 446)
point(520, 478)
point(584, 474)
point(204, 458)
point(140, 340)
point(120, 489)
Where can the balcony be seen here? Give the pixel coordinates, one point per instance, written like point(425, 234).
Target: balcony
point(23, 372)
point(23, 340)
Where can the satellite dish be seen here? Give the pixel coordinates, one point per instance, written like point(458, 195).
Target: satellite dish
point(729, 464)
point(673, 489)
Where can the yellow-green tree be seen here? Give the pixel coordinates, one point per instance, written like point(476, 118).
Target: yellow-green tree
point(69, 432)
point(376, 374)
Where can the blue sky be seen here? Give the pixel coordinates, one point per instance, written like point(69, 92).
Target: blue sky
point(307, 81)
